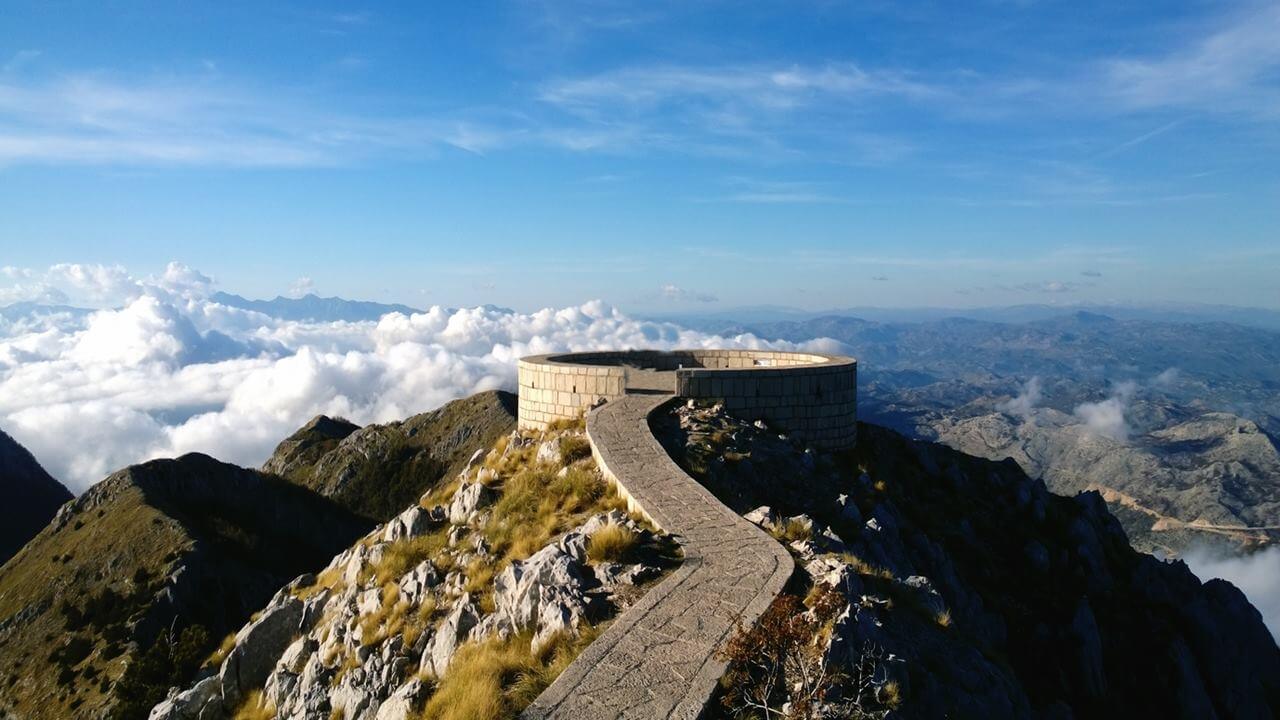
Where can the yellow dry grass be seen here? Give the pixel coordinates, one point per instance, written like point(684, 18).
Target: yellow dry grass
point(611, 543)
point(255, 707)
point(497, 678)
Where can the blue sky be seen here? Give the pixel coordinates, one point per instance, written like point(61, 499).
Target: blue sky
point(676, 158)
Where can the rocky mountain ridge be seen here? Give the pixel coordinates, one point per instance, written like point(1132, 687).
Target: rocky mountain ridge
point(151, 566)
point(373, 636)
point(963, 588)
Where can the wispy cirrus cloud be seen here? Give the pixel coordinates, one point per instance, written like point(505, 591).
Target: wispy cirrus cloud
point(204, 120)
point(1233, 68)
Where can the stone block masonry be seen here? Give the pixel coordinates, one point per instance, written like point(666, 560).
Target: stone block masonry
point(807, 393)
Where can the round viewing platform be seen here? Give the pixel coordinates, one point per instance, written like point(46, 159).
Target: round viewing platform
point(812, 394)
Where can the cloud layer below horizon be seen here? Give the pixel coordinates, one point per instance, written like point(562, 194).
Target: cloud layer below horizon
point(166, 371)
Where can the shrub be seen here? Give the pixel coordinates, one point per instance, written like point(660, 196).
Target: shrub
point(611, 543)
point(170, 661)
point(778, 669)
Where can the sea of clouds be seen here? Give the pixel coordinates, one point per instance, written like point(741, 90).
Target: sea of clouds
point(162, 370)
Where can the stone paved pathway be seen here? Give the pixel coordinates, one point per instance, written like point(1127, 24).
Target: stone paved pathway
point(657, 660)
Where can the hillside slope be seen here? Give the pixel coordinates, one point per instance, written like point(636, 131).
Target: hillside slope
point(1189, 482)
point(166, 556)
point(31, 496)
point(462, 607)
point(939, 584)
point(123, 571)
point(378, 470)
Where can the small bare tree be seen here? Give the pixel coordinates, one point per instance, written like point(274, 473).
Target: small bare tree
point(779, 667)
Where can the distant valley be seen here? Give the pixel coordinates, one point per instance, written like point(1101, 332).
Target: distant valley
point(1175, 423)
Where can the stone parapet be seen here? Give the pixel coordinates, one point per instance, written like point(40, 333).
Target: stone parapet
point(811, 394)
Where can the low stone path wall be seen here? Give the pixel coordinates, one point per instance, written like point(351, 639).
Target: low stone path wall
point(657, 660)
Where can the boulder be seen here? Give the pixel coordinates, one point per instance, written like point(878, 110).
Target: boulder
point(416, 585)
point(549, 452)
point(258, 646)
point(764, 516)
point(467, 500)
point(453, 630)
point(518, 590)
point(202, 700)
point(409, 524)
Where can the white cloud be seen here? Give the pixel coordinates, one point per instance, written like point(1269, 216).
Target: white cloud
point(1025, 401)
point(301, 286)
point(1167, 377)
point(675, 293)
point(1255, 575)
point(171, 372)
point(1107, 417)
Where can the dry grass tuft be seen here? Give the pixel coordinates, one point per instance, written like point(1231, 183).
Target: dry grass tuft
point(611, 543)
point(890, 695)
point(498, 678)
point(537, 503)
point(255, 707)
point(387, 621)
point(401, 557)
point(791, 531)
point(562, 424)
point(574, 448)
point(224, 648)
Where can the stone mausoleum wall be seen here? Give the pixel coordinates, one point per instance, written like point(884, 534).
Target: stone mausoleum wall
point(807, 393)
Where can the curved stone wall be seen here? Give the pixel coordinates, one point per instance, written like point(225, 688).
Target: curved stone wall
point(807, 393)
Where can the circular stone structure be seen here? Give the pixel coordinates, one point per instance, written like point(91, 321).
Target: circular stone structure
point(811, 394)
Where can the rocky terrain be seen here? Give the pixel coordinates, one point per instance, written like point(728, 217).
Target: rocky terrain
point(378, 470)
point(150, 567)
point(1194, 409)
point(465, 605)
point(31, 496)
point(936, 584)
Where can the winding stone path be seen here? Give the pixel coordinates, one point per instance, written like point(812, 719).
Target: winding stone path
point(657, 660)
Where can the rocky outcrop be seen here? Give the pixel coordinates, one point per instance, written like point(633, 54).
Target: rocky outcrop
point(367, 642)
point(977, 592)
point(299, 452)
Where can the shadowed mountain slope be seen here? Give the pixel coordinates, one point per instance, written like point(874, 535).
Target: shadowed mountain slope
point(156, 561)
point(31, 496)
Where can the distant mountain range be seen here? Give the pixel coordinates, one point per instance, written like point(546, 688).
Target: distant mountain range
point(1189, 313)
point(314, 308)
